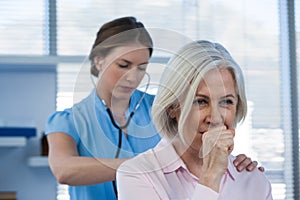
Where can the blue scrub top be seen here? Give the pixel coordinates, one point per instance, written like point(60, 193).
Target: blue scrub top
point(88, 123)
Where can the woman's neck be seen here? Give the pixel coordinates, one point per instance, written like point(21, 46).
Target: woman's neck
point(189, 156)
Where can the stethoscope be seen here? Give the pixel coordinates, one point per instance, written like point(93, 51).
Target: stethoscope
point(121, 127)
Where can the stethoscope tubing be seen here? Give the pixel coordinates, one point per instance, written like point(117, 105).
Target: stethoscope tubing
point(120, 128)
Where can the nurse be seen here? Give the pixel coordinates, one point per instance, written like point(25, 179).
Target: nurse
point(89, 141)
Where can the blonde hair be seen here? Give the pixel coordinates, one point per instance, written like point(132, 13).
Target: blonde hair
point(181, 79)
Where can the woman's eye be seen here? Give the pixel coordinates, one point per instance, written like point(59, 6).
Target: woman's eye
point(200, 102)
point(227, 102)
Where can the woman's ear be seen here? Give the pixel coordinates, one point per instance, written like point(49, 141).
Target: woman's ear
point(98, 61)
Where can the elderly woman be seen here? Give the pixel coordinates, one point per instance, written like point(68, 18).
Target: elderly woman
point(198, 105)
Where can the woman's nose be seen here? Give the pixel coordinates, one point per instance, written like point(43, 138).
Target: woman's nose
point(215, 117)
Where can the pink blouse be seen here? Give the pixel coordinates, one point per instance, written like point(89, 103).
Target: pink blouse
point(159, 173)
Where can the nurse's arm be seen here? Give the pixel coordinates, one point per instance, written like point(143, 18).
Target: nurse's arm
point(70, 168)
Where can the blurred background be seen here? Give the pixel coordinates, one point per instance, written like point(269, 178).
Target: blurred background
point(44, 46)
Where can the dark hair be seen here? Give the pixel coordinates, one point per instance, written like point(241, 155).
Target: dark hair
point(119, 32)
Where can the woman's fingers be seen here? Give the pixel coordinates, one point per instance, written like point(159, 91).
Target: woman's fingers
point(217, 139)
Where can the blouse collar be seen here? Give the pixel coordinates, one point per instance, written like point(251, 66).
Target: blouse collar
point(170, 161)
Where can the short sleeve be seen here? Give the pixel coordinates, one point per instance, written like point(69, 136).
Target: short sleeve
point(62, 121)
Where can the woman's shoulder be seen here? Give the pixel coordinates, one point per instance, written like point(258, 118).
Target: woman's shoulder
point(60, 121)
point(141, 163)
point(250, 183)
point(66, 114)
point(254, 177)
point(149, 161)
point(58, 116)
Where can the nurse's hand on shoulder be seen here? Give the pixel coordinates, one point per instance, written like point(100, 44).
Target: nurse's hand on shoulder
point(242, 162)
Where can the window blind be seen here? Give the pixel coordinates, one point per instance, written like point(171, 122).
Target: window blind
point(297, 25)
point(22, 27)
point(249, 29)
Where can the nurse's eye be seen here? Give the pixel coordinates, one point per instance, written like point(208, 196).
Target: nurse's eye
point(123, 65)
point(142, 67)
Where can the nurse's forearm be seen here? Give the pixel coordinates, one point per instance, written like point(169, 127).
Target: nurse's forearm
point(85, 170)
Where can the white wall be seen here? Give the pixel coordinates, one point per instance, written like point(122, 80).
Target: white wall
point(27, 97)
